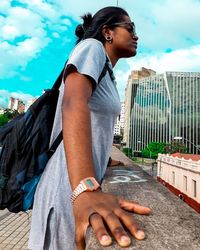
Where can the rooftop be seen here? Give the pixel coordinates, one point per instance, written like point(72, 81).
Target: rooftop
point(187, 156)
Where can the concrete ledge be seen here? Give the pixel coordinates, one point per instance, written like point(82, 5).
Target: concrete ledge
point(173, 224)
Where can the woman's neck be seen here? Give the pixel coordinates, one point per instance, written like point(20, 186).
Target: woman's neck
point(112, 56)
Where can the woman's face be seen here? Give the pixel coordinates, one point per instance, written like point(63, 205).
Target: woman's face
point(124, 41)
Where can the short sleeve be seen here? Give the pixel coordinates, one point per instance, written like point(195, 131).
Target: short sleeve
point(89, 58)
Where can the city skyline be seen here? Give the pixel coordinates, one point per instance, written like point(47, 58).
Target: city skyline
point(165, 108)
point(36, 38)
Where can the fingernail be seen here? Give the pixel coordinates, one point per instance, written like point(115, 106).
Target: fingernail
point(140, 235)
point(105, 240)
point(125, 239)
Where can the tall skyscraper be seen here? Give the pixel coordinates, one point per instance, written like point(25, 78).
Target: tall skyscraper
point(130, 92)
point(166, 107)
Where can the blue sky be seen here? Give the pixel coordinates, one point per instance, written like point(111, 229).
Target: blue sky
point(37, 36)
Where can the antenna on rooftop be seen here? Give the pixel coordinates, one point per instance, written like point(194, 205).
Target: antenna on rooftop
point(117, 3)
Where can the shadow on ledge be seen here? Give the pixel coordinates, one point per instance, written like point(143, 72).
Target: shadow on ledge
point(173, 224)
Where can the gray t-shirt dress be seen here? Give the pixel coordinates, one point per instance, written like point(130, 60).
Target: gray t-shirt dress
point(52, 224)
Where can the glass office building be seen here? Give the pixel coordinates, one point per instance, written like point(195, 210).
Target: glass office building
point(166, 106)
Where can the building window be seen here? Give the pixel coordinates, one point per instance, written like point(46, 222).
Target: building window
point(173, 177)
point(194, 184)
point(185, 183)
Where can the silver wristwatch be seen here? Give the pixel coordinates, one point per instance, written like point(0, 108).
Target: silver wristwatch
point(88, 184)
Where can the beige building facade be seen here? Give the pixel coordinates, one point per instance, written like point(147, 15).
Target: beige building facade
point(180, 173)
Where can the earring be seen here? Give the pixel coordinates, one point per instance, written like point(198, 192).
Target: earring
point(109, 39)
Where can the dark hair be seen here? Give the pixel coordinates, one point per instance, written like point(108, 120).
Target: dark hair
point(92, 26)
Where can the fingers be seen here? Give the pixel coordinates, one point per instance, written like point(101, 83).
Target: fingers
point(115, 227)
point(100, 230)
point(134, 207)
point(117, 230)
point(114, 222)
point(130, 224)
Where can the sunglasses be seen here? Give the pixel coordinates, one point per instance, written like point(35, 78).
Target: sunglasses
point(129, 26)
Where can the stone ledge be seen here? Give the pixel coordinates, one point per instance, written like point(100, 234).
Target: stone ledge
point(173, 224)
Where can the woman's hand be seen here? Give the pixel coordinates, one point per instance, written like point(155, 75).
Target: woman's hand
point(115, 163)
point(97, 209)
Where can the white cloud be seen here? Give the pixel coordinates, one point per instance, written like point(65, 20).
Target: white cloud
point(5, 6)
point(122, 78)
point(47, 10)
point(23, 33)
point(185, 60)
point(22, 22)
point(13, 57)
point(56, 35)
point(5, 95)
point(178, 60)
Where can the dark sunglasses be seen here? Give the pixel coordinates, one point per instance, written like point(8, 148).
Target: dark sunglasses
point(130, 27)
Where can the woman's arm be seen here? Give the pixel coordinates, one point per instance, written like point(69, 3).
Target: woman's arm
point(77, 127)
point(94, 207)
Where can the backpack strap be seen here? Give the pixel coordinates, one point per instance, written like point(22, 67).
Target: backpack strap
point(57, 84)
point(104, 71)
point(58, 81)
point(55, 144)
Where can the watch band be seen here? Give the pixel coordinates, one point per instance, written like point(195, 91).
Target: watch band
point(88, 184)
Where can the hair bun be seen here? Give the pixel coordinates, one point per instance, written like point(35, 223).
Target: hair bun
point(79, 31)
point(81, 28)
point(87, 20)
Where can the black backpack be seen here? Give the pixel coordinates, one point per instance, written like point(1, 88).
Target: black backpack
point(24, 149)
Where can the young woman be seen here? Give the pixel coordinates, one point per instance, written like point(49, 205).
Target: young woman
point(68, 197)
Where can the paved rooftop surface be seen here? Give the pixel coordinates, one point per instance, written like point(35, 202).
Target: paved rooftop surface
point(173, 224)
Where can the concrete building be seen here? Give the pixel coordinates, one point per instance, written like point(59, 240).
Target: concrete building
point(180, 173)
point(16, 104)
point(11, 103)
point(130, 92)
point(165, 107)
point(119, 125)
point(122, 115)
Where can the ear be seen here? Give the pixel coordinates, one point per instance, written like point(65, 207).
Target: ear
point(106, 31)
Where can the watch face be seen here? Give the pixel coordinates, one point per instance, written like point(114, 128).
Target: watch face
point(91, 184)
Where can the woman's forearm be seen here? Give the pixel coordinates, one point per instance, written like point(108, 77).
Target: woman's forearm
point(77, 141)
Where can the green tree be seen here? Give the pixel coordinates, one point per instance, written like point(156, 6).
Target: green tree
point(7, 116)
point(153, 149)
point(127, 152)
point(3, 120)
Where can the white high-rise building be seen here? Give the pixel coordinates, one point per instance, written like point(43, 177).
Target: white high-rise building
point(119, 125)
point(122, 116)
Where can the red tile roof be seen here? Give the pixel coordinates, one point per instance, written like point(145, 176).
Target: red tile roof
point(187, 156)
